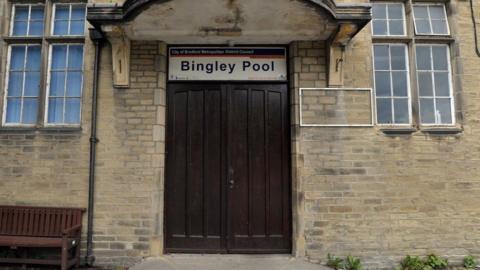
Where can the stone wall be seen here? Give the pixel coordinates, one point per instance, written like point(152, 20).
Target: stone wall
point(356, 191)
point(45, 166)
point(307, 69)
point(50, 167)
point(336, 106)
point(380, 196)
point(129, 198)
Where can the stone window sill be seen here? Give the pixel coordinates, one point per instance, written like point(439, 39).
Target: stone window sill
point(434, 130)
point(397, 130)
point(34, 129)
point(442, 130)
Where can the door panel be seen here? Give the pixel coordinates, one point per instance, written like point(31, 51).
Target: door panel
point(194, 165)
point(227, 185)
point(258, 201)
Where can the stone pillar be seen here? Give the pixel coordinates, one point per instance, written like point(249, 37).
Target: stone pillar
point(307, 69)
point(156, 241)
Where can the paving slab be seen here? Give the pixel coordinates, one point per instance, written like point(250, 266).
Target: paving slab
point(226, 262)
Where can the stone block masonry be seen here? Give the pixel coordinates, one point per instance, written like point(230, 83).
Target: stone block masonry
point(129, 205)
point(336, 107)
point(360, 191)
point(40, 167)
point(355, 191)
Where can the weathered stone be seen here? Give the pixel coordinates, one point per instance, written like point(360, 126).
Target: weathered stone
point(356, 191)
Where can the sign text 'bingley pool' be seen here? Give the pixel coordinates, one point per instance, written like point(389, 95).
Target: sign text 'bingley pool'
point(233, 64)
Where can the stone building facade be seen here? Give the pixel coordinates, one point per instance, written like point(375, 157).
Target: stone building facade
point(358, 187)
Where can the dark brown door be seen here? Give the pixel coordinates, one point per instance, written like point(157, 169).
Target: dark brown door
point(227, 185)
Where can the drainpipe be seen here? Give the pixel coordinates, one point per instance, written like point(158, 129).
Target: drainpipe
point(97, 37)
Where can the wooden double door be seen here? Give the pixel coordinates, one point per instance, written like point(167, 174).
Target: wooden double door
point(228, 170)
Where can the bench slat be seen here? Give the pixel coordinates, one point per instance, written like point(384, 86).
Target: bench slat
point(3, 219)
point(38, 221)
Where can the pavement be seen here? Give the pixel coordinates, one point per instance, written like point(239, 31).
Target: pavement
point(226, 262)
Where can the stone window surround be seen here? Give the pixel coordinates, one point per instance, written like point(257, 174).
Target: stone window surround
point(46, 40)
point(411, 39)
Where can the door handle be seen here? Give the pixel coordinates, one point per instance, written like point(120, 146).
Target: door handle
point(232, 183)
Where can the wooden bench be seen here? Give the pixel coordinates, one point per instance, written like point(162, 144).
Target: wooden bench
point(42, 227)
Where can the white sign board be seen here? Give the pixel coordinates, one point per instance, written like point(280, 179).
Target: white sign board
point(227, 64)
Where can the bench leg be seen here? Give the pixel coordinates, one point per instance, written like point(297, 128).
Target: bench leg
point(24, 256)
point(77, 255)
point(64, 263)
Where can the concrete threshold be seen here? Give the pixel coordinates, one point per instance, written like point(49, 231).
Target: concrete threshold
point(226, 262)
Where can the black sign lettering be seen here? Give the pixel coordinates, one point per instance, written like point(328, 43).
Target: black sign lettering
point(185, 66)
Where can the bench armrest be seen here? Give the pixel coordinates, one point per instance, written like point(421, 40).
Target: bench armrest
point(73, 231)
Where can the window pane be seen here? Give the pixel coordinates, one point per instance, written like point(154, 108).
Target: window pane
point(427, 115)
point(36, 28)
point(78, 12)
point(381, 57)
point(62, 12)
point(72, 111)
point(15, 84)
point(398, 57)
point(440, 27)
point(395, 11)
point(384, 111)
point(55, 110)
point(401, 111)
point(420, 12)
point(380, 27)
point(36, 13)
point(57, 84)
point(396, 28)
point(425, 86)
point(32, 84)
point(74, 84)
point(399, 82)
point(20, 28)
point(20, 21)
point(440, 61)
point(70, 24)
point(33, 58)
point(17, 59)
point(60, 28)
point(36, 21)
point(77, 28)
point(13, 110)
point(423, 58)
point(437, 12)
point(59, 57)
point(75, 59)
point(21, 13)
point(442, 84)
point(30, 111)
point(382, 84)
point(422, 27)
point(379, 11)
point(444, 111)
point(430, 20)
